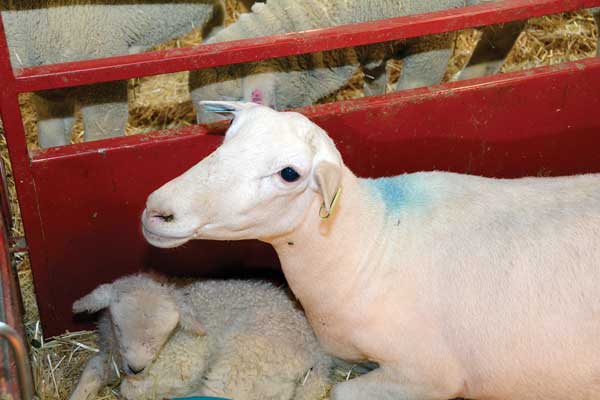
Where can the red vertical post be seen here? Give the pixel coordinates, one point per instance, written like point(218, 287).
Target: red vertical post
point(20, 160)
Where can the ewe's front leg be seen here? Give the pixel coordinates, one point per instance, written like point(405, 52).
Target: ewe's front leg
point(426, 61)
point(54, 110)
point(386, 384)
point(105, 110)
point(97, 374)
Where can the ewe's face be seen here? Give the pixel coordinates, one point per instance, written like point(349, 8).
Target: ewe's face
point(142, 323)
point(258, 184)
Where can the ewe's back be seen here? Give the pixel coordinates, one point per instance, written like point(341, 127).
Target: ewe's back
point(512, 270)
point(535, 224)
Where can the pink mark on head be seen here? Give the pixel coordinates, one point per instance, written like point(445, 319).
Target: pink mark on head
point(257, 96)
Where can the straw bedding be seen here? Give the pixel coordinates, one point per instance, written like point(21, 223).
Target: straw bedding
point(164, 102)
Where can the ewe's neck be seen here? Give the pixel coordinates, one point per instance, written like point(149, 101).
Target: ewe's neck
point(323, 260)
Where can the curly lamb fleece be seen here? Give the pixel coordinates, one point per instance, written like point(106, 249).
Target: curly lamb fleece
point(54, 31)
point(235, 339)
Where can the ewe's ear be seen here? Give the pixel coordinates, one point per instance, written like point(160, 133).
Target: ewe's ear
point(327, 176)
point(189, 323)
point(229, 109)
point(98, 299)
point(327, 169)
point(226, 107)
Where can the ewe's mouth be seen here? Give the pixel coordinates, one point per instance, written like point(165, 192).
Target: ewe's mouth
point(162, 241)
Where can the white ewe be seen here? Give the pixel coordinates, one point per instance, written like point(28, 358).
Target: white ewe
point(457, 285)
point(238, 339)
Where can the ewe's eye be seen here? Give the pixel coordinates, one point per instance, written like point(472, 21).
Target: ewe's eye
point(289, 174)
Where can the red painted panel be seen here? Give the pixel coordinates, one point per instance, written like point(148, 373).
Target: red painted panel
point(168, 61)
point(19, 158)
point(90, 195)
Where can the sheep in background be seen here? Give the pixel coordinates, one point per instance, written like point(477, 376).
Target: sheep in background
point(301, 80)
point(457, 285)
point(237, 339)
point(54, 31)
point(291, 82)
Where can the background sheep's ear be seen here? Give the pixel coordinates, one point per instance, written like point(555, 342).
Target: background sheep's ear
point(226, 107)
point(98, 299)
point(327, 176)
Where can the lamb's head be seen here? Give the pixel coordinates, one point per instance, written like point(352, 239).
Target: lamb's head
point(143, 315)
point(272, 168)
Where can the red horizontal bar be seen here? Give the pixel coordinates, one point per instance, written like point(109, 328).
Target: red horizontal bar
point(249, 50)
point(126, 142)
point(417, 95)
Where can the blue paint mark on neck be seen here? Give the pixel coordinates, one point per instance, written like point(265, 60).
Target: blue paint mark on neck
point(398, 192)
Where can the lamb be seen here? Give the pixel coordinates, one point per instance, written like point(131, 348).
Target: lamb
point(235, 339)
point(53, 31)
point(457, 285)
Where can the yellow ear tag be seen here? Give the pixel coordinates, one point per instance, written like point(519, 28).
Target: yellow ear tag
point(323, 214)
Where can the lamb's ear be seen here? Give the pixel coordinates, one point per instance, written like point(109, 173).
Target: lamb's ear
point(189, 323)
point(226, 107)
point(98, 299)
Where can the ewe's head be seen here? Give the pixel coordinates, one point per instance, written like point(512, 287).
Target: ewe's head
point(259, 184)
point(143, 313)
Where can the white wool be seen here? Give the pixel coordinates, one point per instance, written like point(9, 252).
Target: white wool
point(457, 285)
point(244, 340)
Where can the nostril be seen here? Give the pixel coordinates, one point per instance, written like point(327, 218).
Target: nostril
point(134, 370)
point(163, 216)
point(166, 218)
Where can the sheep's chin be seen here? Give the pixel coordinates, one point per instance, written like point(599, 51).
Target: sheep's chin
point(163, 242)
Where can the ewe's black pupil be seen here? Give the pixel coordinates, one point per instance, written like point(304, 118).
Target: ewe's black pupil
point(289, 174)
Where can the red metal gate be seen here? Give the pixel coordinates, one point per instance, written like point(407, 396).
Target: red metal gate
point(81, 203)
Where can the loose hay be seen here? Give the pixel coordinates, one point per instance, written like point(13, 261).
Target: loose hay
point(164, 102)
point(554, 39)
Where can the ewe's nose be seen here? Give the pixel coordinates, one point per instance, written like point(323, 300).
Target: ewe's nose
point(159, 209)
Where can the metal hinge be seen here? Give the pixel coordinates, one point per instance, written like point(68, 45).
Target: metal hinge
point(22, 364)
